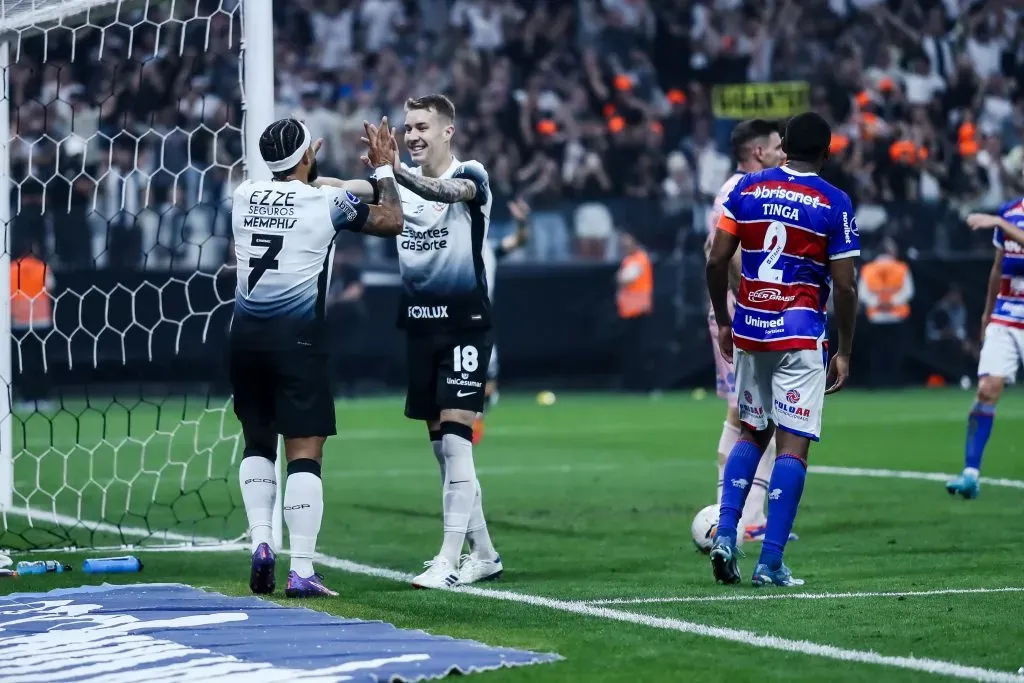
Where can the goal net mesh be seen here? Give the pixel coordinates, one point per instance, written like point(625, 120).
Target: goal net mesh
point(125, 143)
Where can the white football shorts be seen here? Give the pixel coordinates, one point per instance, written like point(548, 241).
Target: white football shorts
point(784, 387)
point(1002, 353)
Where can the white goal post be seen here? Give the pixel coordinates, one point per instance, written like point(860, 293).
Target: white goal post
point(82, 472)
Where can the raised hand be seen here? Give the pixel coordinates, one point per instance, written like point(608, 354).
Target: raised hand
point(382, 148)
point(983, 221)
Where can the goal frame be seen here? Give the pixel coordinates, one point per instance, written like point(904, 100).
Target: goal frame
point(257, 88)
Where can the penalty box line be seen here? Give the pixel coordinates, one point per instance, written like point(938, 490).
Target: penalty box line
point(933, 666)
point(745, 597)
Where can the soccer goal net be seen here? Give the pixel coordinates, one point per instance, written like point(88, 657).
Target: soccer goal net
point(125, 127)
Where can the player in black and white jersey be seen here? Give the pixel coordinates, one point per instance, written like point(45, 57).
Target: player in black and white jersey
point(284, 232)
point(446, 314)
point(495, 251)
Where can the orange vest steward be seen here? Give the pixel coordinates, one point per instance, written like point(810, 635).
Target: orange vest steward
point(637, 297)
point(31, 305)
point(885, 278)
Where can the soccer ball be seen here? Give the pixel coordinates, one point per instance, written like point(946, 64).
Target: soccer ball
point(703, 528)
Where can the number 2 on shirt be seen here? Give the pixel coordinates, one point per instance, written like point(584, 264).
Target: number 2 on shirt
point(774, 243)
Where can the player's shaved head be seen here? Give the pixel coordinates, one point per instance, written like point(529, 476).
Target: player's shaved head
point(746, 133)
point(807, 138)
point(439, 104)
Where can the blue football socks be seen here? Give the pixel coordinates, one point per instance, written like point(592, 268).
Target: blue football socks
point(738, 476)
point(784, 491)
point(979, 428)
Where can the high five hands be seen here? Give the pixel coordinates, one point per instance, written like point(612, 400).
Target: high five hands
point(382, 147)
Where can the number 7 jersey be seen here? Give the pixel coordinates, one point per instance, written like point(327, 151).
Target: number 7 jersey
point(284, 243)
point(790, 226)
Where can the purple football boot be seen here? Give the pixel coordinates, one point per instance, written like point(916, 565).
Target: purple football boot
point(261, 580)
point(313, 587)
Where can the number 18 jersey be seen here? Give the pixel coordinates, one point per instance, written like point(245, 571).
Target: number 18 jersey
point(284, 241)
point(790, 225)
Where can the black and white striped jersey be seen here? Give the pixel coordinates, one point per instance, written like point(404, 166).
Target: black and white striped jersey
point(441, 256)
point(284, 244)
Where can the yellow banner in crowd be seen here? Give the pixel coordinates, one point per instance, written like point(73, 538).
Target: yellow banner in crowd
point(760, 100)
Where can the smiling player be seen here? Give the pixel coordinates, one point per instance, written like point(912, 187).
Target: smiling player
point(446, 314)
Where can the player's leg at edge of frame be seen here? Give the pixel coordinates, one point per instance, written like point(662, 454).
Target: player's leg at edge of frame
point(1001, 354)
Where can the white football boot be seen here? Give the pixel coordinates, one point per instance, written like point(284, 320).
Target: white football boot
point(439, 574)
point(473, 568)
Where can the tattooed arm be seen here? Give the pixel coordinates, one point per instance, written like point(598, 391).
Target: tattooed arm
point(385, 219)
point(467, 184)
point(447, 190)
point(349, 213)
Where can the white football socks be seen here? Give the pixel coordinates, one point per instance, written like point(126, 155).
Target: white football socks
point(476, 533)
point(753, 508)
point(257, 477)
point(459, 488)
point(730, 435)
point(435, 443)
point(303, 513)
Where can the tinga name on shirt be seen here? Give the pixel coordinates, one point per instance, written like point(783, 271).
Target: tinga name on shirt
point(428, 312)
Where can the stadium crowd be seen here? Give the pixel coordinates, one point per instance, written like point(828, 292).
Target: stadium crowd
point(571, 105)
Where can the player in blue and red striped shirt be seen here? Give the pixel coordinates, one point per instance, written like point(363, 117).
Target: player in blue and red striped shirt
point(798, 239)
point(1002, 329)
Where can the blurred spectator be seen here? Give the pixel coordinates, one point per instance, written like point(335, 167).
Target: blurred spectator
point(635, 301)
point(679, 188)
point(32, 283)
point(946, 332)
point(593, 101)
point(886, 289)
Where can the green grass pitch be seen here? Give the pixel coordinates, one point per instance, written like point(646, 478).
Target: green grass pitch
point(590, 500)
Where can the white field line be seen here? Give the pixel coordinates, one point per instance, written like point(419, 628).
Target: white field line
point(902, 474)
point(933, 666)
point(579, 468)
point(408, 433)
point(782, 595)
point(40, 515)
point(36, 515)
point(572, 468)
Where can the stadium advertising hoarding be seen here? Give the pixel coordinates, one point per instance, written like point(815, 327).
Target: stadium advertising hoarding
point(760, 100)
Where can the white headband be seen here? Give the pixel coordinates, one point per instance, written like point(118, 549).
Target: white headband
point(296, 156)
